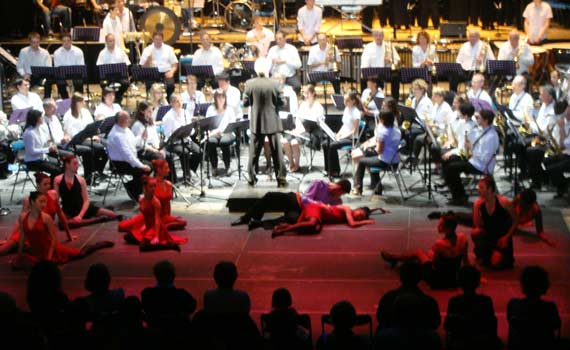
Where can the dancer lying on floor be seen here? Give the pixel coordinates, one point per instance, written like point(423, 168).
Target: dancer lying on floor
point(292, 203)
point(43, 184)
point(315, 215)
point(153, 235)
point(525, 207)
point(164, 194)
point(72, 189)
point(441, 264)
point(39, 230)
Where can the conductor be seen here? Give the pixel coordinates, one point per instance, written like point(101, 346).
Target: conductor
point(264, 95)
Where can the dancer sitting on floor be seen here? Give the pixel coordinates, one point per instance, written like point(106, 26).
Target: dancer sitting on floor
point(164, 194)
point(154, 234)
point(291, 203)
point(315, 215)
point(72, 189)
point(38, 228)
point(43, 184)
point(441, 263)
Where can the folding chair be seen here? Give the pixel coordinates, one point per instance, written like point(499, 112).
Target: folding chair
point(355, 143)
point(395, 169)
point(17, 148)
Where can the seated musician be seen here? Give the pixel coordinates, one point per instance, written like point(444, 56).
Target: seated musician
point(161, 56)
point(309, 19)
point(520, 52)
point(55, 8)
point(309, 109)
point(439, 118)
point(259, 36)
point(459, 134)
point(51, 127)
point(25, 98)
point(558, 164)
point(555, 82)
point(34, 56)
point(422, 104)
point(345, 136)
point(537, 16)
point(37, 147)
point(379, 54)
point(372, 91)
point(157, 98)
point(189, 152)
point(477, 90)
point(112, 25)
point(233, 95)
point(218, 137)
point(539, 127)
point(191, 97)
point(112, 54)
point(121, 145)
point(424, 53)
point(208, 55)
point(285, 60)
point(107, 107)
point(72, 190)
point(472, 57)
point(387, 143)
point(68, 55)
point(522, 106)
point(322, 59)
point(482, 159)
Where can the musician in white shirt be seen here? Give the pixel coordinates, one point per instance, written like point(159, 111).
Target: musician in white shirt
point(68, 55)
point(477, 91)
point(259, 37)
point(285, 59)
point(107, 107)
point(146, 137)
point(520, 102)
point(161, 56)
point(192, 97)
point(320, 59)
point(208, 55)
point(371, 92)
point(126, 17)
point(422, 104)
point(232, 94)
point(558, 164)
point(515, 48)
point(537, 16)
point(111, 54)
point(218, 137)
point(424, 53)
point(51, 127)
point(24, 98)
point(33, 56)
point(460, 131)
point(309, 19)
point(112, 25)
point(121, 145)
point(472, 55)
point(439, 117)
point(36, 146)
point(377, 54)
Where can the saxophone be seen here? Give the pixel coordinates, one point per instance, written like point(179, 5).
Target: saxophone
point(389, 56)
point(464, 152)
point(332, 54)
point(516, 57)
point(483, 57)
point(554, 148)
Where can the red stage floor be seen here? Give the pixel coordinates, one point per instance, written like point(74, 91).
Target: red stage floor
point(340, 263)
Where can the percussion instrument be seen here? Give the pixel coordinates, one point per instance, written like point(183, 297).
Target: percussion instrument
point(231, 56)
point(174, 6)
point(238, 16)
point(161, 19)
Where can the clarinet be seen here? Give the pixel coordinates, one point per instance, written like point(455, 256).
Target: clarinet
point(52, 140)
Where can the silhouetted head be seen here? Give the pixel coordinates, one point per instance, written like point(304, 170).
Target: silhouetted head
point(343, 315)
point(98, 278)
point(225, 274)
point(164, 272)
point(469, 278)
point(410, 274)
point(534, 281)
point(281, 299)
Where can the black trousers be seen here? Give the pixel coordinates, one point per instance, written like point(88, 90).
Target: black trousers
point(555, 168)
point(534, 158)
point(190, 155)
point(256, 145)
point(48, 165)
point(427, 8)
point(62, 88)
point(368, 162)
point(330, 150)
point(367, 16)
point(224, 141)
point(134, 187)
point(452, 170)
point(276, 201)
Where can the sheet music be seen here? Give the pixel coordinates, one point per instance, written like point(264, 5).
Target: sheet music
point(327, 130)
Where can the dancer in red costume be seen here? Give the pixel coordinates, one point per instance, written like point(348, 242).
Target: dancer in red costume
point(40, 231)
point(43, 184)
point(153, 234)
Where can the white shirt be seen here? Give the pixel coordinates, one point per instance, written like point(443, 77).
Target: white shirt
point(391, 138)
point(112, 26)
point(191, 101)
point(122, 146)
point(261, 40)
point(480, 95)
point(372, 105)
point(419, 55)
point(314, 113)
point(233, 98)
point(52, 124)
point(526, 58)
point(103, 110)
point(173, 121)
point(537, 17)
point(71, 57)
point(73, 125)
point(162, 58)
point(316, 55)
point(113, 57)
point(545, 118)
point(348, 117)
point(152, 138)
point(211, 57)
point(21, 101)
point(373, 55)
point(441, 115)
point(468, 55)
point(127, 21)
point(521, 104)
point(461, 129)
point(422, 107)
point(290, 55)
point(309, 20)
point(29, 58)
point(227, 118)
point(35, 145)
point(484, 150)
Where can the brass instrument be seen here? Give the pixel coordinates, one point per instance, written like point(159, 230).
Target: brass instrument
point(464, 152)
point(500, 122)
point(483, 57)
point(389, 56)
point(524, 129)
point(554, 148)
point(406, 125)
point(332, 54)
point(516, 57)
point(455, 141)
point(208, 91)
point(432, 59)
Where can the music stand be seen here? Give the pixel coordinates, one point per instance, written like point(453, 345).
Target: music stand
point(145, 74)
point(349, 44)
point(338, 101)
point(204, 125)
point(248, 67)
point(311, 127)
point(85, 34)
point(107, 125)
point(445, 69)
point(62, 106)
point(379, 101)
point(411, 74)
point(47, 73)
point(206, 72)
point(237, 127)
point(383, 73)
point(430, 142)
point(500, 70)
point(113, 73)
point(19, 116)
point(181, 134)
point(64, 73)
point(323, 78)
point(519, 140)
point(202, 108)
point(90, 130)
point(162, 110)
point(480, 104)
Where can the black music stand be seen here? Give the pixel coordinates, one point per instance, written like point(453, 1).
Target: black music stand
point(181, 134)
point(500, 70)
point(162, 110)
point(323, 78)
point(44, 74)
point(237, 128)
point(448, 70)
point(113, 73)
point(145, 74)
point(338, 101)
point(19, 116)
point(201, 109)
point(249, 67)
point(205, 72)
point(519, 140)
point(107, 125)
point(311, 127)
point(379, 101)
point(204, 126)
point(85, 34)
point(349, 44)
point(74, 73)
point(431, 142)
point(411, 74)
point(90, 130)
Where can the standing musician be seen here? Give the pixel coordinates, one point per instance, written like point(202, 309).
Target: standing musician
point(482, 158)
point(34, 56)
point(208, 55)
point(285, 59)
point(558, 164)
point(424, 53)
point(537, 16)
point(161, 56)
point(323, 58)
point(477, 90)
point(111, 54)
point(259, 36)
point(125, 16)
point(218, 137)
point(309, 19)
point(473, 56)
point(516, 50)
point(25, 98)
point(264, 96)
point(112, 25)
point(459, 133)
point(107, 107)
point(233, 95)
point(378, 53)
point(68, 55)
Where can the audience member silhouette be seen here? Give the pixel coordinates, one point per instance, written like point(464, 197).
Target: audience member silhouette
point(428, 312)
point(343, 317)
point(283, 323)
point(225, 299)
point(470, 322)
point(533, 322)
point(102, 302)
